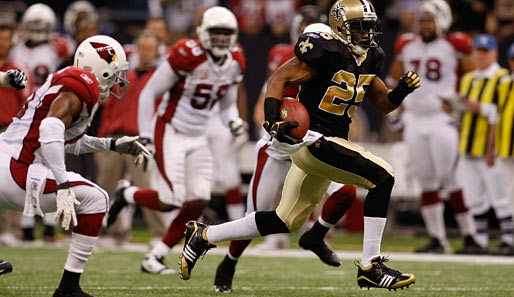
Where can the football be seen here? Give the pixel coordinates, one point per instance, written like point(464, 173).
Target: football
point(293, 110)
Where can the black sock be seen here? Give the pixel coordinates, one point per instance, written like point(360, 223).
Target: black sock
point(49, 231)
point(268, 222)
point(69, 281)
point(229, 261)
point(318, 231)
point(28, 234)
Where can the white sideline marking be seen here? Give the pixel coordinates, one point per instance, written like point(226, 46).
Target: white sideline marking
point(345, 255)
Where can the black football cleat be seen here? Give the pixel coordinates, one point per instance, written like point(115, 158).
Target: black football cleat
point(310, 242)
point(434, 246)
point(5, 267)
point(195, 246)
point(119, 202)
point(76, 292)
point(224, 276)
point(377, 275)
point(471, 247)
point(504, 249)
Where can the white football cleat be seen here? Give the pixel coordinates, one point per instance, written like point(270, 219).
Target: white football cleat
point(154, 265)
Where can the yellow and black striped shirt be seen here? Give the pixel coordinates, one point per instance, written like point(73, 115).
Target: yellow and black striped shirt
point(475, 127)
point(506, 141)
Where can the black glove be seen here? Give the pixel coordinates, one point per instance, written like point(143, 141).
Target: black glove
point(17, 78)
point(279, 131)
point(410, 80)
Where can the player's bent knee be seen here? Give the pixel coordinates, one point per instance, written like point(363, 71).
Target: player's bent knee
point(92, 199)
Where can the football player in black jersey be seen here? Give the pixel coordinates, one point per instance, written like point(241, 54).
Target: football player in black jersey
point(335, 71)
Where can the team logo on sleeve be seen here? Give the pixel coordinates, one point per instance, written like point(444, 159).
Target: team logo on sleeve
point(305, 46)
point(105, 51)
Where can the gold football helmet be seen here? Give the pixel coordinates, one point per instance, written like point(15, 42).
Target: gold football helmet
point(355, 23)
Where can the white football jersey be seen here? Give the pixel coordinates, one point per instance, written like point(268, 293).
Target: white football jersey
point(437, 64)
point(21, 139)
point(202, 84)
point(40, 60)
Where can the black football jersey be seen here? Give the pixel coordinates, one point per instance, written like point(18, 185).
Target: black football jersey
point(332, 97)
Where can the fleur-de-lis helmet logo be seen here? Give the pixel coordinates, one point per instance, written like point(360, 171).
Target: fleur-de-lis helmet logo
point(338, 11)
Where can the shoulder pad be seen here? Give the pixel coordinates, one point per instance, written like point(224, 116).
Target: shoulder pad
point(186, 55)
point(402, 41)
point(278, 55)
point(310, 47)
point(239, 56)
point(460, 42)
point(61, 45)
point(80, 82)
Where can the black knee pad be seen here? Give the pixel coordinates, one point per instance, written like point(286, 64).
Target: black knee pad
point(268, 222)
point(377, 200)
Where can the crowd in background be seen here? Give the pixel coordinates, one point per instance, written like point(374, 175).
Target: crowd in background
point(265, 23)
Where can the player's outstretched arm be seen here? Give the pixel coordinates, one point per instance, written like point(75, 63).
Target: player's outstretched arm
point(386, 100)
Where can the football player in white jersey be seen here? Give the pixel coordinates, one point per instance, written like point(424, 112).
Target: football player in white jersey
point(54, 121)
point(16, 79)
point(37, 23)
point(430, 132)
point(199, 75)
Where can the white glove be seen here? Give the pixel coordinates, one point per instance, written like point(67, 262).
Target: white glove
point(147, 142)
point(17, 78)
point(237, 127)
point(130, 145)
point(456, 102)
point(66, 203)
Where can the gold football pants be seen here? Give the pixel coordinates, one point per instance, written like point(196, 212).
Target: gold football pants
point(332, 159)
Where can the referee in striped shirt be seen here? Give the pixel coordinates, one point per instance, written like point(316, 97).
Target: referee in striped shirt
point(506, 142)
point(485, 91)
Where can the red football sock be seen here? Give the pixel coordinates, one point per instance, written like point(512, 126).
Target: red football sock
point(337, 204)
point(147, 198)
point(177, 228)
point(89, 224)
point(233, 196)
point(237, 247)
point(428, 198)
point(457, 202)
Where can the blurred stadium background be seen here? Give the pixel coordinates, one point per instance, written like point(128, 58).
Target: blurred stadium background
point(262, 25)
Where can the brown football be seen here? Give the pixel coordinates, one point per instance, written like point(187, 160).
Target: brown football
point(293, 110)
